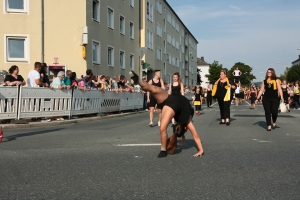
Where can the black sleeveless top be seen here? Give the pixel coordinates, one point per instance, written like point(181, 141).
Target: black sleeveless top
point(269, 90)
point(197, 96)
point(176, 89)
point(209, 92)
point(156, 84)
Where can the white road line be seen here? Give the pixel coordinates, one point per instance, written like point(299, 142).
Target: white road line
point(136, 145)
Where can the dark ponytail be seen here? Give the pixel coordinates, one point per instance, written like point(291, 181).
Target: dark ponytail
point(178, 131)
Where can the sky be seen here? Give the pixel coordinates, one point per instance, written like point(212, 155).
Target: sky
point(260, 33)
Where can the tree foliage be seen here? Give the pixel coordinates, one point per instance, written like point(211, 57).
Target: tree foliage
point(284, 75)
point(214, 72)
point(293, 73)
point(247, 75)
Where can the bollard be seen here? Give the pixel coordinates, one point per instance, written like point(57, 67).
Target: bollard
point(1, 134)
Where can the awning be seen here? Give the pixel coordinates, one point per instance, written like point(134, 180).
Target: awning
point(56, 67)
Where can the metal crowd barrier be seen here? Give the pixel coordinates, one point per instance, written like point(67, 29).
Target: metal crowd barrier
point(8, 102)
point(44, 102)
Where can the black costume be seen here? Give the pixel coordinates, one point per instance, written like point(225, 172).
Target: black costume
point(270, 102)
point(182, 108)
point(209, 98)
point(220, 94)
point(176, 90)
point(285, 95)
point(153, 101)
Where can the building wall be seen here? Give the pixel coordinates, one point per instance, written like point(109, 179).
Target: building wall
point(26, 24)
point(64, 24)
point(99, 31)
point(204, 71)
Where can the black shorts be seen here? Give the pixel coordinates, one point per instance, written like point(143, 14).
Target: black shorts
point(236, 78)
point(153, 103)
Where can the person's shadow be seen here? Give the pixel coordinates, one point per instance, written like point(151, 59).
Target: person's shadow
point(189, 143)
point(263, 124)
point(14, 137)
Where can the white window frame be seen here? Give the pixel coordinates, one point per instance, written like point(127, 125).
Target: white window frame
point(169, 18)
point(122, 65)
point(169, 38)
point(112, 19)
point(177, 27)
point(9, 10)
point(159, 53)
point(173, 21)
point(112, 56)
point(131, 61)
point(97, 62)
point(149, 39)
point(98, 11)
point(131, 30)
point(131, 3)
point(26, 39)
point(149, 11)
point(123, 24)
point(159, 6)
point(159, 30)
point(173, 41)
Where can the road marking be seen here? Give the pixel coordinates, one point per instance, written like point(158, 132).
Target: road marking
point(262, 141)
point(136, 145)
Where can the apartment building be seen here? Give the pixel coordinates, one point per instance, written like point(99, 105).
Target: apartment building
point(109, 37)
point(204, 70)
point(167, 44)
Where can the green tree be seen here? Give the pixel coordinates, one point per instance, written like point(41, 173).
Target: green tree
point(284, 75)
point(214, 72)
point(293, 73)
point(247, 75)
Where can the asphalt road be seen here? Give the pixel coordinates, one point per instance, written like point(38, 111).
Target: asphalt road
point(95, 160)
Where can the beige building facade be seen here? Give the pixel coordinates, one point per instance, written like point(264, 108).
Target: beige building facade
point(109, 37)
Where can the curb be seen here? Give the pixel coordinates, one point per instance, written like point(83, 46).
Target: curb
point(68, 121)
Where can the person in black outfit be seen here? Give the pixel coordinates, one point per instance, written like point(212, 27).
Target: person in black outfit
point(270, 87)
point(44, 76)
point(176, 106)
point(14, 79)
point(224, 99)
point(208, 96)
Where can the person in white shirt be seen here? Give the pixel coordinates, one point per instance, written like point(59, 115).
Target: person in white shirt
point(237, 94)
point(237, 73)
point(34, 77)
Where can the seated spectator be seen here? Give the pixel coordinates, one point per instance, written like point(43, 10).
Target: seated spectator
point(58, 82)
point(67, 79)
point(14, 79)
point(43, 73)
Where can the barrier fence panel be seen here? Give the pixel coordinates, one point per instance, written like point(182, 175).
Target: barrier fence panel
point(44, 102)
point(111, 102)
point(8, 102)
point(138, 102)
point(86, 102)
point(127, 102)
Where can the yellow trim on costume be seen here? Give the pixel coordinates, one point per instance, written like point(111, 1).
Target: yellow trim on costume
point(272, 82)
point(227, 96)
point(197, 103)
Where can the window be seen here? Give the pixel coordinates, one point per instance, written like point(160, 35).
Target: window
point(169, 58)
point(159, 30)
point(177, 45)
point(149, 38)
point(131, 61)
point(110, 18)
point(177, 62)
point(17, 6)
point(177, 27)
point(122, 59)
point(173, 22)
point(165, 25)
point(159, 6)
point(159, 54)
point(149, 11)
point(96, 52)
point(131, 30)
point(173, 60)
point(17, 48)
point(169, 38)
point(122, 25)
point(165, 48)
point(110, 58)
point(169, 17)
point(131, 3)
point(96, 10)
point(173, 41)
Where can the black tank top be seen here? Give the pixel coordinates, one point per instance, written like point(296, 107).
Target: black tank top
point(209, 92)
point(197, 96)
point(156, 84)
point(176, 89)
point(252, 94)
point(269, 90)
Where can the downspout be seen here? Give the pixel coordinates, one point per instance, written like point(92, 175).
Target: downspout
point(42, 32)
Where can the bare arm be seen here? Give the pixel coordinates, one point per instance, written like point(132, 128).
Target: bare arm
point(170, 89)
point(279, 89)
point(162, 84)
point(261, 91)
point(197, 139)
point(182, 89)
point(148, 93)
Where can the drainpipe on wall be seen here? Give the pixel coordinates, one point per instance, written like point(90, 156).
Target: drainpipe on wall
point(42, 31)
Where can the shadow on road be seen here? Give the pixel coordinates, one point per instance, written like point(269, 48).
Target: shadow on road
point(188, 144)
point(14, 137)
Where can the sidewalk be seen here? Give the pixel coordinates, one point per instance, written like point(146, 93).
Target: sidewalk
point(66, 121)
